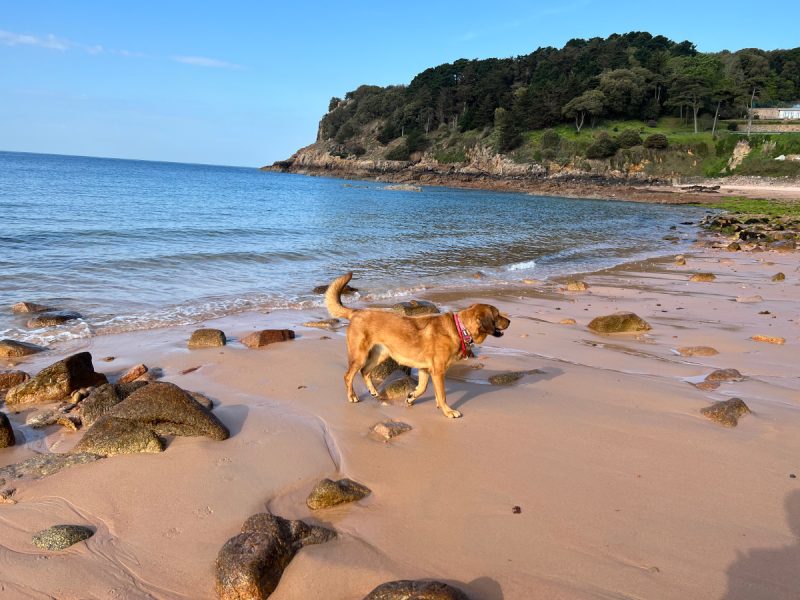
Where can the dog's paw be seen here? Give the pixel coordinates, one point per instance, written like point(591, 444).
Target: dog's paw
point(375, 394)
point(410, 399)
point(353, 399)
point(452, 414)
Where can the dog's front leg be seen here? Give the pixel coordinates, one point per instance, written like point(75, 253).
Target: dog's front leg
point(441, 397)
point(422, 385)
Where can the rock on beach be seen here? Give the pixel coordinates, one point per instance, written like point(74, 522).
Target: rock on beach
point(329, 493)
point(703, 277)
point(415, 308)
point(697, 351)
point(14, 349)
point(415, 590)
point(620, 322)
point(206, 338)
point(727, 412)
point(259, 339)
point(57, 382)
point(250, 564)
point(6, 432)
point(59, 537)
point(52, 318)
point(9, 379)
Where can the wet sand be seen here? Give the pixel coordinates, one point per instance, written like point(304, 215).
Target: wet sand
point(625, 490)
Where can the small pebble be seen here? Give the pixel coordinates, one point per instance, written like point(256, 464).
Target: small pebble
point(516, 510)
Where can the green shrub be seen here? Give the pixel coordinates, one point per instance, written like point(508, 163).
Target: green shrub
point(656, 141)
point(451, 155)
point(652, 123)
point(550, 139)
point(603, 147)
point(629, 138)
point(399, 152)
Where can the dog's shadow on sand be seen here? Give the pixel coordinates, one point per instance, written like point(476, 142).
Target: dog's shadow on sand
point(484, 388)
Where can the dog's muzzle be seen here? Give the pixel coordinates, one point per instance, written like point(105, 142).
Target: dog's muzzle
point(499, 328)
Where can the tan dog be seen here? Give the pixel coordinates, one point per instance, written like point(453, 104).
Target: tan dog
point(429, 343)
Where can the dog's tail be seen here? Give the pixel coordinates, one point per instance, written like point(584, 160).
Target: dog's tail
point(333, 298)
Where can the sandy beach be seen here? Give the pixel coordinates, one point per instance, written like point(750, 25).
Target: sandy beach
point(624, 489)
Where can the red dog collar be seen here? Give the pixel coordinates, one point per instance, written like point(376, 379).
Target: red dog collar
point(463, 336)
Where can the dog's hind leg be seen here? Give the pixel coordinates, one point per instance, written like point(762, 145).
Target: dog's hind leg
point(441, 397)
point(352, 369)
point(424, 377)
point(377, 355)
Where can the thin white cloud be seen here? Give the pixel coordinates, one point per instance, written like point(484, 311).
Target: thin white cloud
point(202, 61)
point(51, 42)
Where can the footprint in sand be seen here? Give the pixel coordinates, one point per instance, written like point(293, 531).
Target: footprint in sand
point(202, 513)
point(171, 533)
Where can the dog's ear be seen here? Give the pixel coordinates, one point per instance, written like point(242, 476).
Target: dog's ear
point(486, 320)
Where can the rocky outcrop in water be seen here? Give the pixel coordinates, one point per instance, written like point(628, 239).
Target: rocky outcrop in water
point(52, 318)
point(250, 564)
point(57, 382)
point(14, 349)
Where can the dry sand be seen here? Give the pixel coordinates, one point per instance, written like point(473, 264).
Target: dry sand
point(625, 489)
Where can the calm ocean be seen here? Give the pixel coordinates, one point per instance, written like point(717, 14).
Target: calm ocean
point(136, 244)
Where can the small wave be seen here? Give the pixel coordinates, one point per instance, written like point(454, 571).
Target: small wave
point(522, 266)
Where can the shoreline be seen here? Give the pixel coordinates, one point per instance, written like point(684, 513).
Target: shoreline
point(608, 417)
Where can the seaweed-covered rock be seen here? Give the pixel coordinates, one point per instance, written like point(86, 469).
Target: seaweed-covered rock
point(727, 412)
point(59, 537)
point(9, 379)
point(620, 322)
point(207, 338)
point(52, 318)
point(57, 382)
point(259, 339)
point(43, 465)
point(169, 410)
point(250, 564)
point(399, 389)
point(14, 349)
point(415, 308)
point(703, 277)
point(6, 433)
point(110, 436)
point(415, 590)
point(507, 378)
point(329, 493)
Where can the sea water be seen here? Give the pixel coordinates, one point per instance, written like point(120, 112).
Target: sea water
point(137, 244)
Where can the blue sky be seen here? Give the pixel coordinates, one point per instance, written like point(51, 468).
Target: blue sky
point(245, 83)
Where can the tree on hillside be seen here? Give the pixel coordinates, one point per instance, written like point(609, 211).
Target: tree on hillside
point(752, 73)
point(590, 102)
point(508, 133)
point(692, 78)
point(625, 90)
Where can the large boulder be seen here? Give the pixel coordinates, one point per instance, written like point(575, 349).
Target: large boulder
point(726, 412)
point(59, 537)
point(259, 339)
point(250, 564)
point(9, 379)
point(329, 493)
point(14, 349)
point(111, 435)
point(206, 338)
point(416, 590)
point(6, 433)
point(57, 382)
point(620, 322)
point(102, 398)
point(169, 410)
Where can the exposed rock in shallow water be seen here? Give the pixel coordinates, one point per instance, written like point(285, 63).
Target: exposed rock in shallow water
point(415, 308)
point(749, 299)
point(14, 349)
point(567, 322)
point(57, 382)
point(415, 590)
point(329, 493)
point(577, 286)
point(324, 324)
point(29, 307)
point(680, 261)
point(778, 277)
point(43, 465)
point(110, 436)
point(6, 433)
point(697, 351)
point(9, 379)
point(52, 318)
point(703, 277)
point(768, 339)
point(725, 375)
point(59, 537)
point(727, 412)
point(386, 430)
point(621, 322)
point(206, 338)
point(259, 339)
point(250, 565)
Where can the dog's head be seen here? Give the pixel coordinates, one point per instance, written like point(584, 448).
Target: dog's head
point(483, 320)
